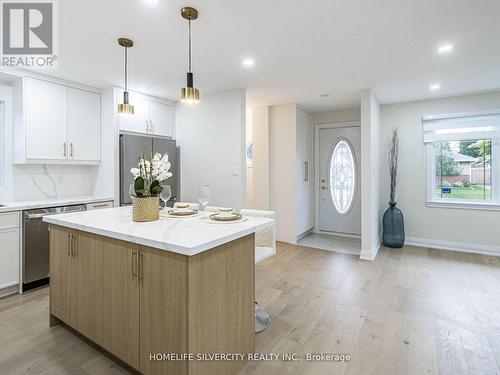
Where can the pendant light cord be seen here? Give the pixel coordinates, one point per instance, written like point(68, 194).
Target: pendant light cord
point(189, 44)
point(126, 57)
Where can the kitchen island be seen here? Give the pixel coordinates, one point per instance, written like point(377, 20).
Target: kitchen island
point(156, 295)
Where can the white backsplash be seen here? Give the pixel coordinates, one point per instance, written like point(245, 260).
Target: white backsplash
point(38, 182)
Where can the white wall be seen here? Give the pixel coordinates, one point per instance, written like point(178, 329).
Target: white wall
point(442, 227)
point(107, 181)
point(260, 135)
point(249, 169)
point(282, 156)
point(340, 116)
point(211, 136)
point(305, 189)
point(371, 208)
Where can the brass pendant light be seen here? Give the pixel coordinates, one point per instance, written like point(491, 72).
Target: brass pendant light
point(125, 108)
point(189, 94)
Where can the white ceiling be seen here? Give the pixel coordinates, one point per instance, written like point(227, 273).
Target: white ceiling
point(302, 48)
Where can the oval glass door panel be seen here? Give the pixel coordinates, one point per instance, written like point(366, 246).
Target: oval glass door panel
point(342, 176)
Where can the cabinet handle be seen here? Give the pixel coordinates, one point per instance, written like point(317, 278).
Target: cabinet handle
point(65, 149)
point(100, 205)
point(71, 149)
point(306, 171)
point(141, 266)
point(134, 264)
point(75, 240)
point(69, 244)
point(151, 126)
point(147, 125)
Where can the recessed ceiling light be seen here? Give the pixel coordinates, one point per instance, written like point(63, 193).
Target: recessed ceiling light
point(325, 95)
point(151, 2)
point(434, 87)
point(445, 48)
point(248, 62)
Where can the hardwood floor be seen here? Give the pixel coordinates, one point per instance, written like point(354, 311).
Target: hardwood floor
point(411, 311)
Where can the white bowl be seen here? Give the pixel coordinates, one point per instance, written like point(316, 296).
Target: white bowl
point(226, 212)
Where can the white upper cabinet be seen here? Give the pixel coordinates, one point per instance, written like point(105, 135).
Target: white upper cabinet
point(160, 119)
point(150, 116)
point(46, 120)
point(84, 125)
point(55, 123)
point(139, 121)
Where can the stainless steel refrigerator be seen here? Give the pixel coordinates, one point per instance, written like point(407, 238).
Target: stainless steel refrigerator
point(131, 146)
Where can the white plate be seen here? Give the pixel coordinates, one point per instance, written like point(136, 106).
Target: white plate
point(168, 215)
point(208, 220)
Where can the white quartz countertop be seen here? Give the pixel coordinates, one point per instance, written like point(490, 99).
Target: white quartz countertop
point(187, 236)
point(26, 205)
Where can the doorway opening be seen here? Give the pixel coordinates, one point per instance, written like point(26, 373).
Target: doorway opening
point(337, 189)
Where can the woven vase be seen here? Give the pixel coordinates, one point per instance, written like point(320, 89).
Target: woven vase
point(145, 208)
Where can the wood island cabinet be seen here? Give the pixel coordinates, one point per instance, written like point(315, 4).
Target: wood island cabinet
point(134, 300)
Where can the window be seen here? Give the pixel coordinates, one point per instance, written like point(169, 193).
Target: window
point(342, 176)
point(463, 160)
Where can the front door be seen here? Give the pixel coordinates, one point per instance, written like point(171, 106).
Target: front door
point(339, 173)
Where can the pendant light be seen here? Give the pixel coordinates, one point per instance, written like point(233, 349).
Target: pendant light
point(125, 108)
point(189, 94)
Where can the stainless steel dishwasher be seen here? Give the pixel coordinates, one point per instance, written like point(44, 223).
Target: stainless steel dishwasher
point(36, 244)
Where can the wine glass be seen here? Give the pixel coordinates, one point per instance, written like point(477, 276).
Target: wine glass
point(165, 194)
point(204, 196)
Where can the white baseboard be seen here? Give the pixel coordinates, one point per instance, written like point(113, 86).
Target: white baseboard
point(303, 234)
point(453, 246)
point(338, 234)
point(373, 254)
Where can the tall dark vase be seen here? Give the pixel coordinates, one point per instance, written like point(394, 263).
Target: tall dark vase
point(394, 227)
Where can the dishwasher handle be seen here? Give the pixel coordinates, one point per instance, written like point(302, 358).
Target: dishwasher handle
point(34, 216)
point(40, 213)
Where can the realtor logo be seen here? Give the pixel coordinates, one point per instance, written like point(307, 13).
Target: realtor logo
point(28, 34)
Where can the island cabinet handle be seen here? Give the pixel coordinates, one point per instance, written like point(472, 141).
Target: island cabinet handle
point(132, 253)
point(134, 263)
point(75, 241)
point(69, 244)
point(141, 266)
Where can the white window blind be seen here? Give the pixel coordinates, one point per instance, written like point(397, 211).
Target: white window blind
point(483, 126)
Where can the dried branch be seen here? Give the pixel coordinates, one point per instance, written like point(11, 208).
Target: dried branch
point(393, 164)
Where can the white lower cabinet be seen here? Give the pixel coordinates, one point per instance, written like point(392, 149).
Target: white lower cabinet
point(10, 250)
